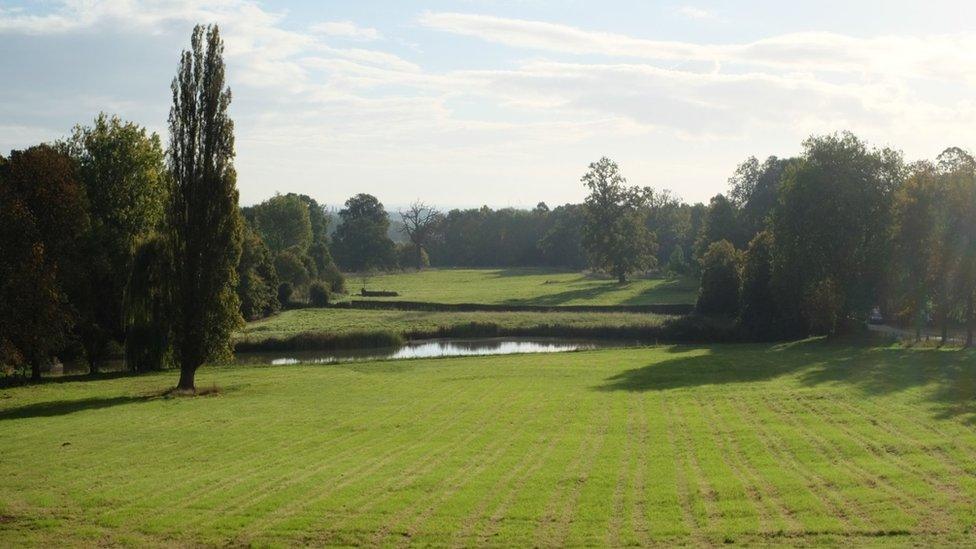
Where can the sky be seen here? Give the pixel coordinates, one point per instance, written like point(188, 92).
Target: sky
point(503, 103)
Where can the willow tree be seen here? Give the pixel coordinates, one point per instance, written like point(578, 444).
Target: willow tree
point(204, 225)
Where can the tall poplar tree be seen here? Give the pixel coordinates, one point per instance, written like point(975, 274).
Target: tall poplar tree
point(204, 224)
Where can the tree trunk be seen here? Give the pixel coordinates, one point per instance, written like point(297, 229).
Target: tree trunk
point(621, 278)
point(420, 257)
point(35, 371)
point(187, 373)
point(945, 328)
point(969, 321)
point(92, 366)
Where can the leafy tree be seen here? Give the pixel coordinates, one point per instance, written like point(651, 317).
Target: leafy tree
point(257, 278)
point(361, 242)
point(325, 267)
point(719, 293)
point(918, 205)
point(754, 191)
point(615, 236)
point(318, 294)
point(832, 227)
point(669, 222)
point(147, 307)
point(720, 223)
point(122, 169)
point(757, 310)
point(284, 221)
point(420, 223)
point(43, 215)
point(204, 222)
point(958, 268)
point(677, 263)
point(290, 268)
point(561, 245)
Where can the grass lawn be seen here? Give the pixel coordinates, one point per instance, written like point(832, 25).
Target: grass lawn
point(526, 287)
point(797, 444)
point(344, 321)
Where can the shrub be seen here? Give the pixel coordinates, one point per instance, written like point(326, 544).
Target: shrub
point(719, 292)
point(334, 277)
point(285, 290)
point(319, 294)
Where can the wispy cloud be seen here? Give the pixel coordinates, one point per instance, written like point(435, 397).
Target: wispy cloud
point(308, 102)
point(692, 12)
point(346, 29)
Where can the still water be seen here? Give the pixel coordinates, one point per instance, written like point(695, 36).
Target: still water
point(429, 348)
point(432, 349)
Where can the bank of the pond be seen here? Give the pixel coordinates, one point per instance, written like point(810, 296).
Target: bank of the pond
point(332, 329)
point(431, 348)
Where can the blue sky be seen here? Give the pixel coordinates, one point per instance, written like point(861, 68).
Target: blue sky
point(504, 103)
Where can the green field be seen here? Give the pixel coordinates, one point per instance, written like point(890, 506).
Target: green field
point(526, 287)
point(794, 444)
point(345, 321)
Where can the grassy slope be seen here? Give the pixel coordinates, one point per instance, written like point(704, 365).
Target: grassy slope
point(526, 287)
point(344, 321)
point(799, 444)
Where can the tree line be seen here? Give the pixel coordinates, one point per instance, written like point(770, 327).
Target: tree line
point(110, 244)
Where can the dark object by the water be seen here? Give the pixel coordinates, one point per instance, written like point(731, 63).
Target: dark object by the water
point(377, 293)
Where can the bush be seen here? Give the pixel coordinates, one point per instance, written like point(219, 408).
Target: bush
point(719, 292)
point(285, 291)
point(334, 277)
point(319, 294)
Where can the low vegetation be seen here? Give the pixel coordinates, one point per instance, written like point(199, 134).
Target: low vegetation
point(806, 443)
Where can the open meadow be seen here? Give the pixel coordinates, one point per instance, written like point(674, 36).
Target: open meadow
point(349, 321)
point(526, 287)
point(800, 443)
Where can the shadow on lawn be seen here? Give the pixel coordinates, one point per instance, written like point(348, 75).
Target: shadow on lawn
point(65, 407)
point(563, 298)
point(948, 377)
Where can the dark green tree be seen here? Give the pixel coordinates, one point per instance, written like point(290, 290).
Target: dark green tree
point(720, 223)
point(203, 221)
point(757, 310)
point(257, 278)
point(719, 293)
point(284, 221)
point(148, 307)
point(122, 168)
point(43, 219)
point(832, 229)
point(615, 236)
point(361, 242)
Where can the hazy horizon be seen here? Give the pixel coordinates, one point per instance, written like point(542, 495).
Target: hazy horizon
point(503, 103)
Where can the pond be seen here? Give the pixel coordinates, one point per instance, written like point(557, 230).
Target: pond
point(428, 348)
point(433, 348)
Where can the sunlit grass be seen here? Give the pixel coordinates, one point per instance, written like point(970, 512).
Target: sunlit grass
point(795, 444)
point(344, 321)
point(526, 287)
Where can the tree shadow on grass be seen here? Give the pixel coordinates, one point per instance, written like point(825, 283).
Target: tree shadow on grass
point(563, 298)
point(947, 378)
point(675, 290)
point(64, 407)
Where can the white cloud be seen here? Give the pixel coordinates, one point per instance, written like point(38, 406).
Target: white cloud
point(305, 106)
point(692, 12)
point(346, 29)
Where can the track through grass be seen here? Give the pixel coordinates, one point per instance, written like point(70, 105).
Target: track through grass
point(805, 443)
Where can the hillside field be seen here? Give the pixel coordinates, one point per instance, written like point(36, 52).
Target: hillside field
point(804, 443)
point(525, 287)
